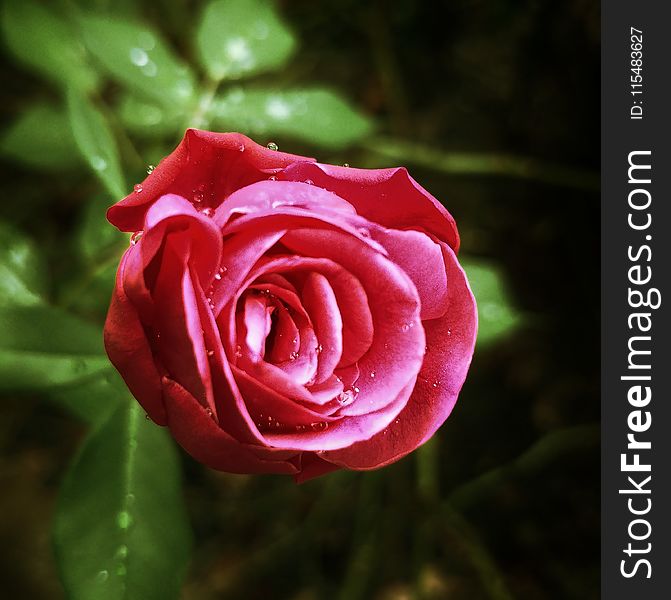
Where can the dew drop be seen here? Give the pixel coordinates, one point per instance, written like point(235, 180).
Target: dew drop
point(272, 146)
point(124, 519)
point(135, 238)
point(294, 355)
point(208, 412)
point(102, 576)
point(435, 384)
point(319, 349)
point(146, 416)
point(449, 332)
point(364, 232)
point(217, 276)
point(210, 353)
point(346, 165)
point(309, 182)
point(346, 397)
point(138, 57)
point(372, 374)
point(223, 270)
point(198, 197)
point(150, 169)
point(272, 178)
point(98, 163)
point(137, 188)
point(207, 211)
point(319, 426)
point(238, 351)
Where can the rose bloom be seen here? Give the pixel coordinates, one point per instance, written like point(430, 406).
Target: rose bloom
point(285, 316)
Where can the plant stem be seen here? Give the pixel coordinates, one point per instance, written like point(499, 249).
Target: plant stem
point(477, 163)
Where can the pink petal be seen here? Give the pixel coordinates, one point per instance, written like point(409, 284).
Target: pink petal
point(389, 197)
point(206, 168)
point(129, 351)
point(450, 340)
point(199, 435)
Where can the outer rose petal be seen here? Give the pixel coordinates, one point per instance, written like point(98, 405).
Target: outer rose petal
point(389, 197)
point(201, 437)
point(128, 350)
point(203, 158)
point(438, 384)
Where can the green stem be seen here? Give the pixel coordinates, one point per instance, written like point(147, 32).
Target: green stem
point(477, 163)
point(555, 445)
point(475, 552)
point(200, 118)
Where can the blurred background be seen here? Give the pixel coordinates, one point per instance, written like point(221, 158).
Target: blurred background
point(493, 105)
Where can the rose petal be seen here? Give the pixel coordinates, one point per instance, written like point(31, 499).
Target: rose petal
point(220, 169)
point(129, 351)
point(422, 259)
point(438, 384)
point(320, 302)
point(397, 349)
point(389, 197)
point(200, 436)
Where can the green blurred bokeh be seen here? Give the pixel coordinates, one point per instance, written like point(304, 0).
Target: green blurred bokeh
point(492, 105)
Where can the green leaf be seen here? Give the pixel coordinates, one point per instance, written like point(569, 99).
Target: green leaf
point(315, 115)
point(97, 238)
point(96, 142)
point(22, 271)
point(42, 346)
point(41, 137)
point(121, 530)
point(150, 119)
point(496, 315)
point(138, 58)
point(238, 38)
point(42, 40)
point(91, 399)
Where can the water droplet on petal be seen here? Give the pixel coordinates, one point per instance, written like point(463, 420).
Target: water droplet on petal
point(272, 146)
point(435, 384)
point(210, 353)
point(207, 211)
point(238, 351)
point(217, 276)
point(241, 148)
point(150, 169)
point(364, 232)
point(309, 182)
point(208, 412)
point(345, 164)
point(372, 374)
point(223, 270)
point(319, 426)
point(272, 178)
point(135, 238)
point(346, 397)
point(137, 188)
point(294, 355)
point(319, 349)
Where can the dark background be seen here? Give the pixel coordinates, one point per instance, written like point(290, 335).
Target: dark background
point(499, 76)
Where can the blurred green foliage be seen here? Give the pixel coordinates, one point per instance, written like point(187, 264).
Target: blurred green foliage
point(99, 91)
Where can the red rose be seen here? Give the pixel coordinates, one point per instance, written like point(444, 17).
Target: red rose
point(285, 316)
